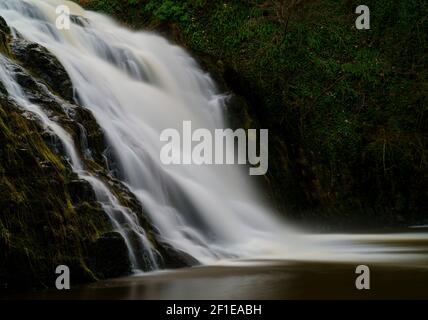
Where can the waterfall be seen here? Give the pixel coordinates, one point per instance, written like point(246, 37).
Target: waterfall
point(137, 84)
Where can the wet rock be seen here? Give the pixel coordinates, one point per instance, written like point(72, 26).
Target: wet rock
point(53, 143)
point(174, 258)
point(17, 270)
point(25, 80)
point(22, 270)
point(92, 134)
point(45, 66)
point(110, 256)
point(26, 157)
point(80, 21)
point(80, 190)
point(3, 91)
point(4, 36)
point(3, 26)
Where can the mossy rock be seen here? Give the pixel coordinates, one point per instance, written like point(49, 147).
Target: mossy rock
point(44, 65)
point(109, 256)
point(4, 36)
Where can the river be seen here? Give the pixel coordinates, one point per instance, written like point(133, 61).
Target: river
point(403, 275)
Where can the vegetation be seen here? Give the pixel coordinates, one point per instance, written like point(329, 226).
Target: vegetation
point(346, 108)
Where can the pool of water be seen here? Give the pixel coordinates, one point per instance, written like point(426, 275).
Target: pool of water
point(398, 270)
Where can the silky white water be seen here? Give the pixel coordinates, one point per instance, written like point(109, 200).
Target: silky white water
point(137, 84)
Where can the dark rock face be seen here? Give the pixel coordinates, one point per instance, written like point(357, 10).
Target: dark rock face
point(40, 61)
point(4, 27)
point(80, 21)
point(109, 256)
point(4, 35)
point(174, 258)
point(80, 190)
point(3, 91)
point(90, 132)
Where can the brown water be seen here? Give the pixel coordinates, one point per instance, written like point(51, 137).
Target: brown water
point(398, 270)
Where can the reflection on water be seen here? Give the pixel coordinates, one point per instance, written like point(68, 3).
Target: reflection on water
point(271, 280)
point(398, 264)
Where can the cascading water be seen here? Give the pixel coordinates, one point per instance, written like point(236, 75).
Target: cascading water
point(137, 84)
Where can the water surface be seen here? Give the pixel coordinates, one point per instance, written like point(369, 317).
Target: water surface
point(398, 270)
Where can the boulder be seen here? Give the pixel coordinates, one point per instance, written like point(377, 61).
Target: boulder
point(109, 255)
point(80, 191)
point(44, 65)
point(174, 258)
